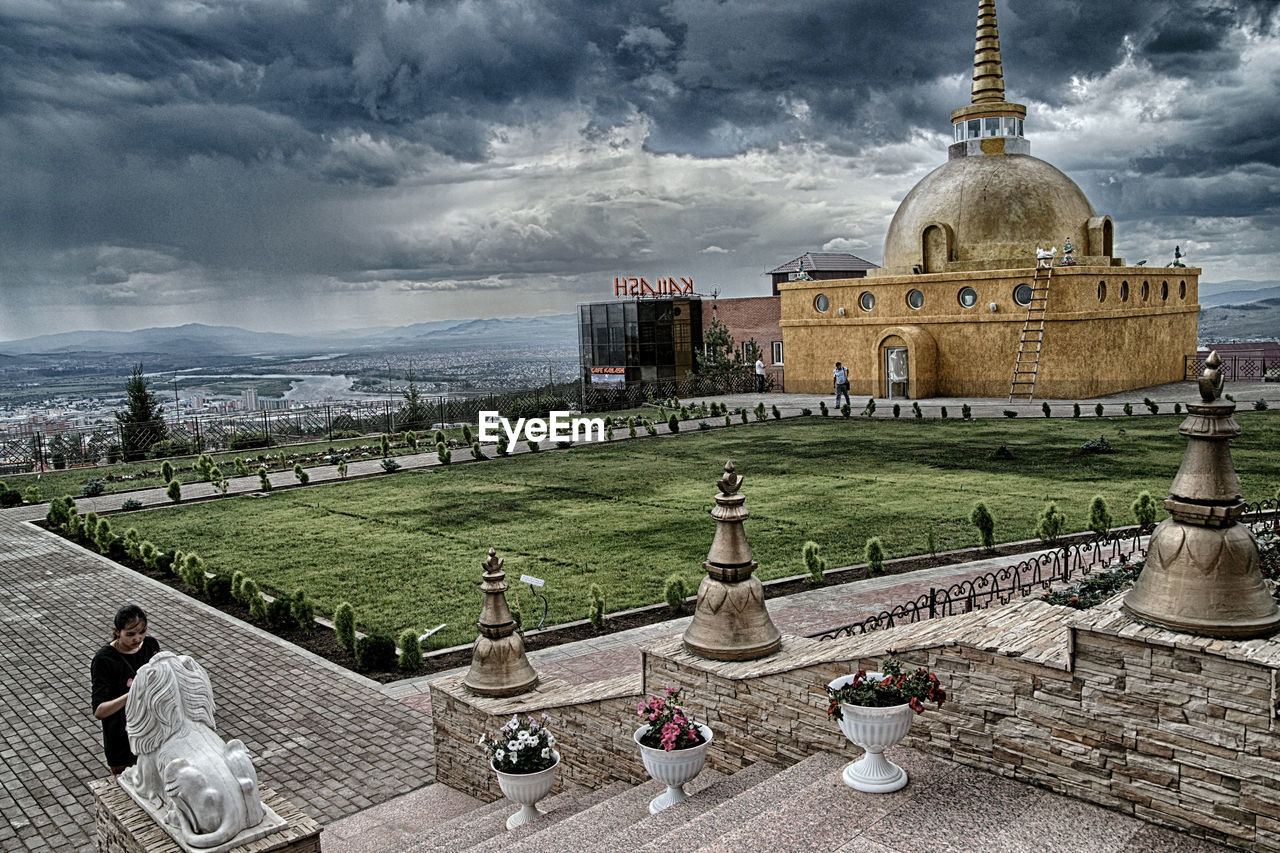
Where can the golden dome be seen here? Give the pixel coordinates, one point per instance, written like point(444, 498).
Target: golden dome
point(991, 211)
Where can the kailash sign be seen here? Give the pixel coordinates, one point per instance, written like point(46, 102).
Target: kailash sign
point(668, 286)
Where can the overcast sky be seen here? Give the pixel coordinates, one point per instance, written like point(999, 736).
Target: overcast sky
point(307, 164)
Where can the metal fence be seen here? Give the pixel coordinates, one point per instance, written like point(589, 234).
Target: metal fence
point(637, 394)
point(1035, 574)
point(1235, 368)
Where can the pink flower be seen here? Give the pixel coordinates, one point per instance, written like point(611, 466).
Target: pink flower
point(670, 732)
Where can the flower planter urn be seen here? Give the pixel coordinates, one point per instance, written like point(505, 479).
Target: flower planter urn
point(875, 730)
point(526, 789)
point(673, 768)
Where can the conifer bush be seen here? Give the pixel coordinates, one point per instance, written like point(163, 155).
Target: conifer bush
point(342, 468)
point(280, 614)
point(1099, 515)
point(166, 470)
point(193, 572)
point(982, 519)
point(728, 420)
point(675, 592)
point(874, 555)
point(411, 439)
point(534, 447)
point(1044, 407)
point(814, 563)
point(1145, 509)
point(1097, 410)
point(845, 410)
point(218, 589)
point(673, 424)
point(1051, 523)
point(631, 427)
point(32, 495)
point(257, 605)
point(344, 625)
point(870, 408)
point(264, 483)
point(777, 415)
point(303, 610)
point(915, 409)
point(204, 467)
point(237, 581)
point(444, 454)
point(760, 411)
point(390, 465)
point(742, 413)
point(1177, 408)
point(467, 436)
point(476, 452)
point(375, 652)
point(943, 413)
point(596, 611)
point(1128, 409)
point(439, 437)
point(301, 473)
point(1075, 410)
point(608, 430)
point(410, 651)
point(897, 410)
point(147, 553)
point(242, 469)
point(91, 525)
point(501, 446)
point(822, 408)
point(174, 491)
point(384, 444)
point(103, 538)
point(1010, 413)
point(966, 412)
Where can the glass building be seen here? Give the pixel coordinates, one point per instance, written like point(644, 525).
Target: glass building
point(638, 340)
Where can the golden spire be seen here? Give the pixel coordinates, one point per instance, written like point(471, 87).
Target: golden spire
point(988, 75)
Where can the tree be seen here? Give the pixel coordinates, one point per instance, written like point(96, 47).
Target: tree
point(722, 359)
point(142, 422)
point(414, 414)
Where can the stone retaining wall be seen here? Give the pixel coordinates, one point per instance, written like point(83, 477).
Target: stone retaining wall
point(1169, 728)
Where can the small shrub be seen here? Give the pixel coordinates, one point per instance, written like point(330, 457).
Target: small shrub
point(411, 439)
point(9, 497)
point(533, 446)
point(193, 572)
point(943, 412)
point(728, 420)
point(1145, 509)
point(204, 467)
point(845, 410)
point(147, 553)
point(1044, 407)
point(344, 625)
point(742, 413)
point(32, 495)
point(1128, 408)
point(703, 425)
point(1097, 410)
point(1260, 405)
point(264, 483)
point(1051, 523)
point(966, 412)
point(595, 613)
point(915, 410)
point(166, 470)
point(874, 555)
point(390, 465)
point(870, 408)
point(982, 519)
point(375, 652)
point(237, 583)
point(1075, 410)
point(822, 408)
point(303, 610)
point(301, 473)
point(443, 453)
point(897, 410)
point(476, 452)
point(1152, 406)
point(631, 427)
point(1095, 589)
point(257, 604)
point(777, 415)
point(760, 412)
point(342, 468)
point(103, 538)
point(384, 444)
point(805, 412)
point(1177, 408)
point(242, 468)
point(280, 614)
point(813, 561)
point(174, 492)
point(649, 426)
point(218, 588)
point(673, 424)
point(60, 510)
point(1099, 515)
point(675, 592)
point(501, 446)
point(1098, 445)
point(91, 489)
point(410, 652)
point(1010, 413)
point(467, 436)
point(91, 524)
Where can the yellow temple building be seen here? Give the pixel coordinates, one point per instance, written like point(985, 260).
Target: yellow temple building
point(963, 307)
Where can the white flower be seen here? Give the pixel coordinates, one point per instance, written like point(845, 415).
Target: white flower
point(551, 739)
point(499, 755)
point(546, 753)
point(481, 741)
point(514, 745)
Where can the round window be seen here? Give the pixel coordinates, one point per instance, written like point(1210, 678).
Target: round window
point(1182, 290)
point(1146, 291)
point(968, 297)
point(915, 299)
point(1164, 291)
point(1124, 291)
point(1102, 291)
point(822, 303)
point(867, 300)
point(1022, 295)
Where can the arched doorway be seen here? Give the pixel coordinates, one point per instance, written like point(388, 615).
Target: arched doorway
point(896, 365)
point(935, 249)
point(905, 363)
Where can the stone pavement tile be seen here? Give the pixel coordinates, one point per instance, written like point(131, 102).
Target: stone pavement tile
point(1158, 839)
point(1059, 824)
point(394, 823)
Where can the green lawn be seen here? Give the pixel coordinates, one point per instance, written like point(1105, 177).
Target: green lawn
point(406, 549)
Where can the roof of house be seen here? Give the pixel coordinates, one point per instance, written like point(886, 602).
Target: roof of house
point(839, 261)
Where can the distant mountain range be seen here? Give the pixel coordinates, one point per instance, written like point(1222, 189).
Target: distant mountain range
point(1237, 292)
point(197, 339)
point(1249, 321)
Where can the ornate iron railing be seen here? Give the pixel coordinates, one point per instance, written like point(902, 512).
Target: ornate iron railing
point(1235, 368)
point(1036, 573)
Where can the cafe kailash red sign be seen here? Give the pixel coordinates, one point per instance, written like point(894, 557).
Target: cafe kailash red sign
point(669, 286)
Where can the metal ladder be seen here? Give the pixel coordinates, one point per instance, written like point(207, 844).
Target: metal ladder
point(1027, 364)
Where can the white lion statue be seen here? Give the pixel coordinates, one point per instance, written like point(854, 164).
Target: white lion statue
point(206, 788)
point(1044, 257)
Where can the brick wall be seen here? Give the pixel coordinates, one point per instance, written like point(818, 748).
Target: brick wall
point(758, 317)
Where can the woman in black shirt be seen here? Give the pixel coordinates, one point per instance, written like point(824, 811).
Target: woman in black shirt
point(113, 669)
